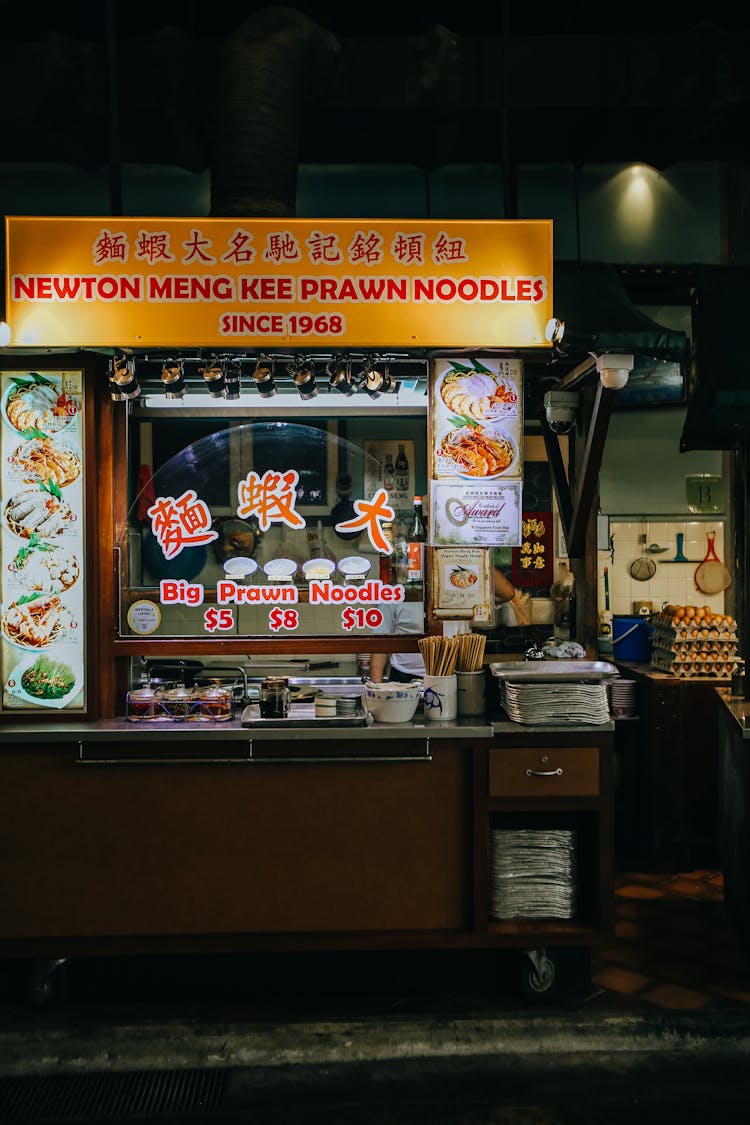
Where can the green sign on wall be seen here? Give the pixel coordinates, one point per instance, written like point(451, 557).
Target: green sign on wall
point(704, 493)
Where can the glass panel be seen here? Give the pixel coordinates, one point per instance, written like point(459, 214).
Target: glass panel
point(238, 530)
point(42, 541)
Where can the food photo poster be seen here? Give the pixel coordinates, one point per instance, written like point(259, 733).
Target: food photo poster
point(42, 540)
point(476, 451)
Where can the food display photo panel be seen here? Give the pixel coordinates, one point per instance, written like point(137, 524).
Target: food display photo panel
point(42, 626)
point(462, 585)
point(476, 419)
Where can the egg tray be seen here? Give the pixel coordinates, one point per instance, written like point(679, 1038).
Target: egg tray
point(721, 670)
point(686, 650)
point(688, 633)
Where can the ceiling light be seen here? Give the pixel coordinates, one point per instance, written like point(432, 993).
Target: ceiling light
point(231, 379)
point(214, 378)
point(263, 378)
point(339, 374)
point(566, 338)
point(304, 379)
point(122, 378)
point(173, 378)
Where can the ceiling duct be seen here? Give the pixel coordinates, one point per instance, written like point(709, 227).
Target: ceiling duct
point(271, 68)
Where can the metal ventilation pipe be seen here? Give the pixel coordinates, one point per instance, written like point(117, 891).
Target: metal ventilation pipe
point(271, 68)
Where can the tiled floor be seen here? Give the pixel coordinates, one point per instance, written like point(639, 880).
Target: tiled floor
point(674, 947)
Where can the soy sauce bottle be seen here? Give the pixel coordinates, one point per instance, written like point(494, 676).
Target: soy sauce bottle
point(417, 540)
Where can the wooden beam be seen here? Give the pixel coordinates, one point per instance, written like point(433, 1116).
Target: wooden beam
point(587, 485)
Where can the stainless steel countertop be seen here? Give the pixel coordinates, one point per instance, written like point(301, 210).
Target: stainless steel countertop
point(121, 730)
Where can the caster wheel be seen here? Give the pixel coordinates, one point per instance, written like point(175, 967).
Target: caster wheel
point(537, 974)
point(47, 984)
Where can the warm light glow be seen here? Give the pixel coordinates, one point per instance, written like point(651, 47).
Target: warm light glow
point(639, 195)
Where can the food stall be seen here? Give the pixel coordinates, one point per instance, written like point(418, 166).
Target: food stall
point(213, 435)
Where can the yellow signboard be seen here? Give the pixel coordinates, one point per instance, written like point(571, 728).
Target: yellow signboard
point(299, 283)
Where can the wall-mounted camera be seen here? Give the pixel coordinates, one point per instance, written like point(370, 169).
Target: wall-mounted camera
point(560, 408)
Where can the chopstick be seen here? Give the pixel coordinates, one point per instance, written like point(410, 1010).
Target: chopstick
point(470, 652)
point(444, 655)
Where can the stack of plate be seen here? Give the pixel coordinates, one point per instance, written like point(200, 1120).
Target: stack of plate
point(555, 703)
point(348, 706)
point(622, 697)
point(532, 873)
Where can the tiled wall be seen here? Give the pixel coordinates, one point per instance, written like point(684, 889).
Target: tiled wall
point(673, 582)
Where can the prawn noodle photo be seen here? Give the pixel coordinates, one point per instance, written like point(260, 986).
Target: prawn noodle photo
point(40, 458)
point(476, 450)
point(34, 622)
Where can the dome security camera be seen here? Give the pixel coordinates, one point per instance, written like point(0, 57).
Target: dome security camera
point(560, 408)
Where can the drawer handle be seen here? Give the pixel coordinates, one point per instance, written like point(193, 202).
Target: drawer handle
point(544, 773)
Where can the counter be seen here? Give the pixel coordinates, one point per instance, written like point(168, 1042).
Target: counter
point(737, 708)
point(733, 748)
point(672, 754)
point(121, 730)
point(198, 838)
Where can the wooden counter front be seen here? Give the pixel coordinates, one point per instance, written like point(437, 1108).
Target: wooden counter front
point(119, 840)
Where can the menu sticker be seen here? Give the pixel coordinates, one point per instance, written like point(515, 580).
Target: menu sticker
point(144, 617)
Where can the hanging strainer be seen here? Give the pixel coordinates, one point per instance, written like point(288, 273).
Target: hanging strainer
point(643, 568)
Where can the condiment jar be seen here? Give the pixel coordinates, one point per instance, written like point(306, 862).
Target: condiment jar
point(216, 702)
point(179, 702)
point(142, 704)
point(274, 698)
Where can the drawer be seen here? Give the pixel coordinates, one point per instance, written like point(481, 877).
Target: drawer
point(572, 771)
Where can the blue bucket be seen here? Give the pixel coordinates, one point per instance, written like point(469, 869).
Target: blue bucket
point(631, 638)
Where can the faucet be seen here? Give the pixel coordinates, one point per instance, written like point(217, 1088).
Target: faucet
point(243, 673)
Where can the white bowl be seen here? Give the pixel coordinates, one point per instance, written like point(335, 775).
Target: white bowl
point(240, 567)
point(392, 703)
point(354, 567)
point(318, 568)
point(280, 570)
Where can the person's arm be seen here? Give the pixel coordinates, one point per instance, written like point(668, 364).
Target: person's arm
point(378, 662)
point(504, 590)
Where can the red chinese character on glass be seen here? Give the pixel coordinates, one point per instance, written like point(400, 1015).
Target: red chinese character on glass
point(109, 247)
point(371, 515)
point(282, 247)
point(195, 248)
point(446, 249)
point(366, 247)
point(241, 248)
point(323, 247)
point(271, 498)
point(184, 522)
point(407, 248)
point(153, 246)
